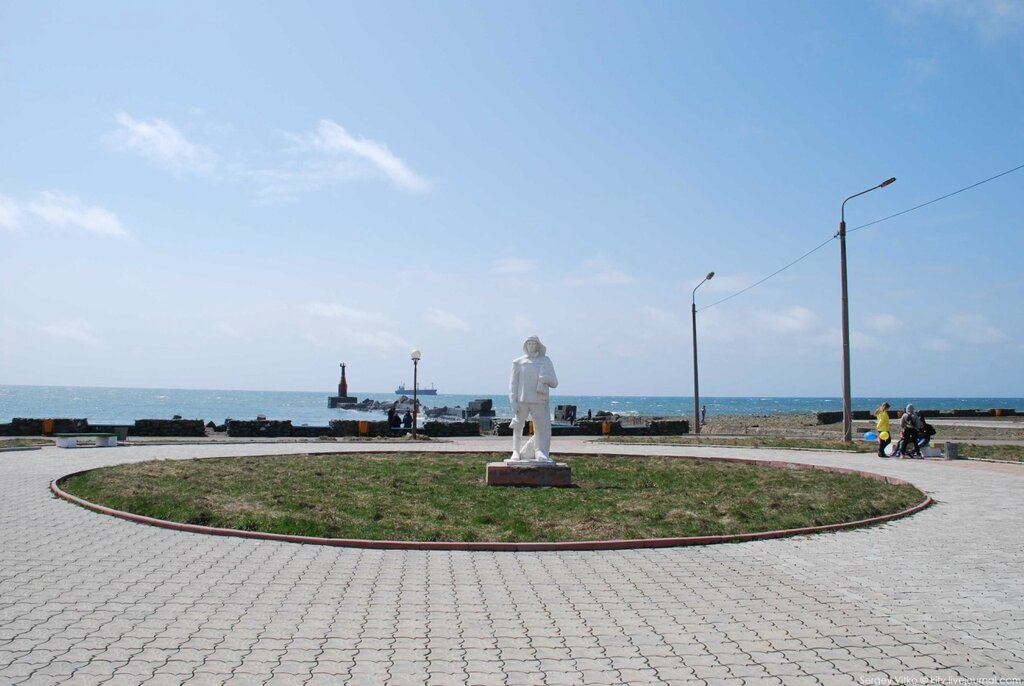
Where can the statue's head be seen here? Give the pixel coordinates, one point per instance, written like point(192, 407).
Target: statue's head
point(533, 347)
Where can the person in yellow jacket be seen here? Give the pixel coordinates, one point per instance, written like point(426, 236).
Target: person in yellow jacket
point(882, 428)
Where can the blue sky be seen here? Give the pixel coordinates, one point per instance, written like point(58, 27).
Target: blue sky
point(243, 195)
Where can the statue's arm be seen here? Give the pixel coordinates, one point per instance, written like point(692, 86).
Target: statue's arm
point(547, 376)
point(513, 395)
point(513, 387)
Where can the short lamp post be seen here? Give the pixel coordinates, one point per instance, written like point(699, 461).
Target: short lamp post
point(847, 402)
point(415, 356)
point(696, 386)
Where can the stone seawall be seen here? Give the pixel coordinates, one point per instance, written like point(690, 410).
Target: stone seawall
point(338, 428)
point(181, 428)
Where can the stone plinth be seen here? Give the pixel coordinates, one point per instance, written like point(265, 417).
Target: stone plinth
point(529, 474)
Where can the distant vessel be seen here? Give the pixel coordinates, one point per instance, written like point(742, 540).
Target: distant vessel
point(402, 390)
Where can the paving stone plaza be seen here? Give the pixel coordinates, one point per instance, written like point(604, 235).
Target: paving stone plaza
point(90, 599)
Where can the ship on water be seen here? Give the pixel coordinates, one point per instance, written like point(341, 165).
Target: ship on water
point(402, 390)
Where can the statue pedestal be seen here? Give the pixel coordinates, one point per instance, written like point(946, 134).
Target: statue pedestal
point(524, 473)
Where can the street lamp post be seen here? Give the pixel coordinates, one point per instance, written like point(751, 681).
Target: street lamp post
point(696, 391)
point(415, 355)
point(847, 403)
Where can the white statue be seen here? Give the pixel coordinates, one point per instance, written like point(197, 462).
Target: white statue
point(533, 376)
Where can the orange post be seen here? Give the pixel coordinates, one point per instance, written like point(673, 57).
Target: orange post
point(364, 428)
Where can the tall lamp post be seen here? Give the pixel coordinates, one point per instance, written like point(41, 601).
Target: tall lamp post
point(847, 403)
point(696, 391)
point(415, 356)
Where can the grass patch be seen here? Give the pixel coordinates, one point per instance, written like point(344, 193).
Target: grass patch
point(23, 442)
point(1005, 453)
point(857, 446)
point(430, 497)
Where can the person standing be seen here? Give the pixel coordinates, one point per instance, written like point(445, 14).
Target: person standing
point(882, 428)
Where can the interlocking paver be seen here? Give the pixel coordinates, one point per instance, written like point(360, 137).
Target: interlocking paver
point(86, 598)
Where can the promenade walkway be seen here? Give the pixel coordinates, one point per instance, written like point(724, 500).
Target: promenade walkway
point(91, 599)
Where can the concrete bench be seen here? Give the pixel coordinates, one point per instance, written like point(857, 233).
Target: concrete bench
point(103, 440)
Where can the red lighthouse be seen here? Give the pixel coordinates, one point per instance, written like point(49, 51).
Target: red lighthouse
point(342, 399)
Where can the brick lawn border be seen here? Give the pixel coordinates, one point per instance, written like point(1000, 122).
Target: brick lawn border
point(536, 546)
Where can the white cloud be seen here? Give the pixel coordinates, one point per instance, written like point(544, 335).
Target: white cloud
point(308, 176)
point(884, 323)
point(992, 20)
point(314, 340)
point(445, 320)
point(974, 328)
point(226, 329)
point(62, 211)
point(74, 330)
point(514, 265)
point(356, 327)
point(520, 325)
point(325, 156)
point(345, 157)
point(347, 314)
point(829, 338)
point(160, 142)
point(938, 345)
point(864, 341)
point(10, 213)
point(665, 321)
point(793, 320)
point(600, 271)
point(376, 339)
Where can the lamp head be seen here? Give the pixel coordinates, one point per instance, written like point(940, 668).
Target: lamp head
point(710, 276)
point(415, 355)
point(886, 182)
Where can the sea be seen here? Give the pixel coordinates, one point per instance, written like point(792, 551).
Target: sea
point(125, 405)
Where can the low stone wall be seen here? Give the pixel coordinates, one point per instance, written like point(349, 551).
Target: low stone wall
point(668, 427)
point(451, 429)
point(273, 428)
point(185, 428)
point(350, 427)
point(21, 426)
point(141, 427)
point(658, 427)
point(836, 417)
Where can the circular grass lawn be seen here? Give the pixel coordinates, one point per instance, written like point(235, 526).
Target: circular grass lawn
point(443, 497)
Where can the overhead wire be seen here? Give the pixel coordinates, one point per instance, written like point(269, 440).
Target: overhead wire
point(925, 204)
point(775, 273)
point(862, 226)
